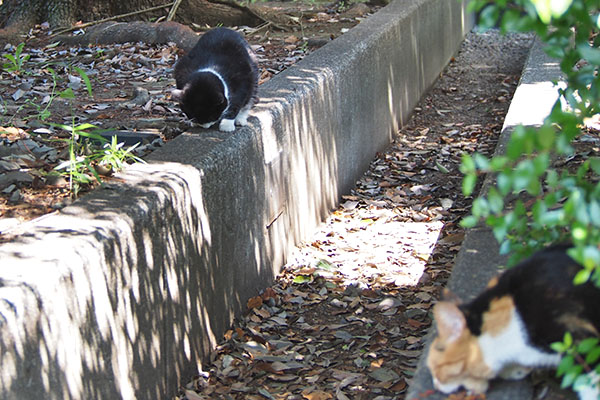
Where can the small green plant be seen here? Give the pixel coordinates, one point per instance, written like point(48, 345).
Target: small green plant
point(78, 167)
point(43, 113)
point(114, 156)
point(91, 155)
point(88, 150)
point(16, 61)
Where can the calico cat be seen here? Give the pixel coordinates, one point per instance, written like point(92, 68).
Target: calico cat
point(507, 330)
point(217, 80)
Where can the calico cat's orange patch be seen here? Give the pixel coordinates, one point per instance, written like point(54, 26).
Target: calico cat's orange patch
point(497, 318)
point(455, 357)
point(493, 282)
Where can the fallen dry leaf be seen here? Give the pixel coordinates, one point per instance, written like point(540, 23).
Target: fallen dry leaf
point(254, 302)
point(317, 395)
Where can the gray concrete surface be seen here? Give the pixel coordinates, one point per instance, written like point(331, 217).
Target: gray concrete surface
point(478, 259)
point(122, 294)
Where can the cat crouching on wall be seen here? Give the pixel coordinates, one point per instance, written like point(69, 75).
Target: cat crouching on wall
point(217, 80)
point(507, 330)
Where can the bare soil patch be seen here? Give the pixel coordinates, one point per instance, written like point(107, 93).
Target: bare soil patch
point(346, 319)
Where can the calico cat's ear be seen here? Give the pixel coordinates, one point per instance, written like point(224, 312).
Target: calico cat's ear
point(450, 321)
point(176, 94)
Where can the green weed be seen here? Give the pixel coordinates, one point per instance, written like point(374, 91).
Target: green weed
point(16, 61)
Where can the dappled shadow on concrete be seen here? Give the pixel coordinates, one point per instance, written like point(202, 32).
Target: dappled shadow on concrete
point(106, 296)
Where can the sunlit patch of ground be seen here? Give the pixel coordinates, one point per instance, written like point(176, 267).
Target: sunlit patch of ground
point(371, 246)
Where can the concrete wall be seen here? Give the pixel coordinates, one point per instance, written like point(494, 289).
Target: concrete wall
point(123, 293)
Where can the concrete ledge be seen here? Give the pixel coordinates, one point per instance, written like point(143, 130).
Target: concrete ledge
point(478, 259)
point(122, 294)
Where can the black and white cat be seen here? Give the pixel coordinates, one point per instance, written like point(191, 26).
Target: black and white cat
point(217, 80)
point(507, 330)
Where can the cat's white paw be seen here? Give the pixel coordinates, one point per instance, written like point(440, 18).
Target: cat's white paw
point(242, 118)
point(227, 125)
point(515, 372)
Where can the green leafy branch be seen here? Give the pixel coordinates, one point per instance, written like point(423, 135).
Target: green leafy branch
point(576, 366)
point(533, 202)
point(543, 191)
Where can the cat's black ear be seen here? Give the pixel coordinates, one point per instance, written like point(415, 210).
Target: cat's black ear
point(450, 321)
point(449, 296)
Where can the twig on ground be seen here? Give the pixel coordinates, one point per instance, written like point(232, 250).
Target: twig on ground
point(173, 10)
point(130, 14)
point(261, 27)
point(249, 10)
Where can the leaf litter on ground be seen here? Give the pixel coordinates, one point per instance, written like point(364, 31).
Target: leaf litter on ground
point(347, 316)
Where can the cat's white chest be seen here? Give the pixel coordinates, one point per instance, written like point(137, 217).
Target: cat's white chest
point(511, 347)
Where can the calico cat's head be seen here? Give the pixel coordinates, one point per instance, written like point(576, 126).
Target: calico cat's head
point(455, 358)
point(202, 99)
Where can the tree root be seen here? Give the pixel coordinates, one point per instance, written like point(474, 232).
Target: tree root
point(116, 17)
point(138, 31)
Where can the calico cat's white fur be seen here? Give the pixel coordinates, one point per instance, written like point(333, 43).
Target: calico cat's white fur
point(507, 330)
point(217, 79)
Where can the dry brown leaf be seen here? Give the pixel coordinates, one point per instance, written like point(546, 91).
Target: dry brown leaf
point(317, 395)
point(400, 386)
point(416, 324)
point(306, 271)
point(453, 238)
point(262, 313)
point(254, 302)
point(463, 395)
point(269, 293)
point(284, 378)
point(192, 395)
point(240, 333)
point(370, 293)
point(265, 366)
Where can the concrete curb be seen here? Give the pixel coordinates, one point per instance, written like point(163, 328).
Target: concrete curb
point(123, 293)
point(478, 259)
